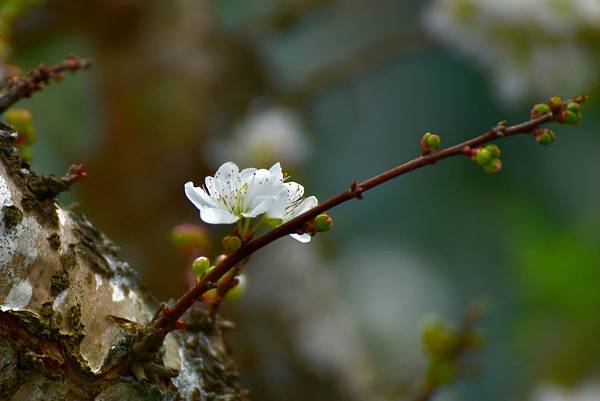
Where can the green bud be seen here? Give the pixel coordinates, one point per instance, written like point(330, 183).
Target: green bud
point(555, 102)
point(494, 150)
point(231, 243)
point(210, 296)
point(483, 157)
point(438, 340)
point(433, 141)
point(542, 108)
point(572, 118)
point(493, 167)
point(219, 259)
point(545, 136)
point(323, 222)
point(200, 266)
point(239, 290)
point(574, 107)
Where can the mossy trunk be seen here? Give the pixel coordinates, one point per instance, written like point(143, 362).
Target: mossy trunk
point(70, 307)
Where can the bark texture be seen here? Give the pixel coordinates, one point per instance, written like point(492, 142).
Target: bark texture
point(70, 308)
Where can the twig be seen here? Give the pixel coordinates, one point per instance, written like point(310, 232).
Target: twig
point(168, 317)
point(20, 87)
point(471, 318)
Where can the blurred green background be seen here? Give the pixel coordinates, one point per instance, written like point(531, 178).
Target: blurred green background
point(342, 90)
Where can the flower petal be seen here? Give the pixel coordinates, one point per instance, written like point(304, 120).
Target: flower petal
point(261, 205)
point(213, 215)
point(198, 196)
point(304, 238)
point(295, 191)
point(306, 204)
point(227, 171)
point(276, 171)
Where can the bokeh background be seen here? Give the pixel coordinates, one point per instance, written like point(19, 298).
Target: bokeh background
point(339, 90)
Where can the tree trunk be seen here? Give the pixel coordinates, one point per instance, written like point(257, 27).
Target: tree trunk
point(70, 308)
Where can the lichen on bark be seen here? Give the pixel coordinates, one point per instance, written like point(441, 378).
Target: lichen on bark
point(70, 307)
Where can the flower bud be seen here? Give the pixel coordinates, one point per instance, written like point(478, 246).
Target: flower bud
point(483, 157)
point(574, 107)
point(189, 237)
point(200, 266)
point(438, 340)
point(494, 150)
point(572, 118)
point(545, 136)
point(231, 243)
point(239, 289)
point(555, 103)
point(323, 222)
point(209, 296)
point(220, 258)
point(540, 108)
point(430, 142)
point(493, 167)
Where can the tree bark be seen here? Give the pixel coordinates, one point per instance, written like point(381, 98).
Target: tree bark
point(70, 308)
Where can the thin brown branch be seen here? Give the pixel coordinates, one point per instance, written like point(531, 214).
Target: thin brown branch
point(21, 87)
point(166, 319)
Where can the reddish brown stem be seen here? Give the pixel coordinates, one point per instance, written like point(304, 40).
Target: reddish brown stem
point(20, 87)
point(165, 322)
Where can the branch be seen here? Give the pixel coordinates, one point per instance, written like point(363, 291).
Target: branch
point(167, 318)
point(20, 87)
point(463, 344)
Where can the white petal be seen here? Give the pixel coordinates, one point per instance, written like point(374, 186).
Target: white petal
point(213, 215)
point(198, 196)
point(246, 174)
point(277, 210)
point(276, 172)
point(261, 205)
point(295, 191)
point(304, 238)
point(305, 205)
point(227, 171)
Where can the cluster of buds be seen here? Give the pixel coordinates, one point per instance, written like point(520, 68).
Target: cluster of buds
point(22, 121)
point(202, 266)
point(544, 136)
point(443, 344)
point(568, 112)
point(429, 143)
point(487, 157)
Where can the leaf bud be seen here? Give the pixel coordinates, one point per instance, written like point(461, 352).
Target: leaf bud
point(200, 266)
point(231, 243)
point(493, 167)
point(323, 222)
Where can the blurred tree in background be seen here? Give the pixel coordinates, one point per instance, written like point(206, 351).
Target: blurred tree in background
point(338, 90)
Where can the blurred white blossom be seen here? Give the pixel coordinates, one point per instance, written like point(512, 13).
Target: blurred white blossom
point(531, 48)
point(552, 392)
point(264, 137)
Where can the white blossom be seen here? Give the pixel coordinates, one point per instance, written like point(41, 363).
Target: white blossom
point(531, 48)
point(263, 137)
point(233, 194)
